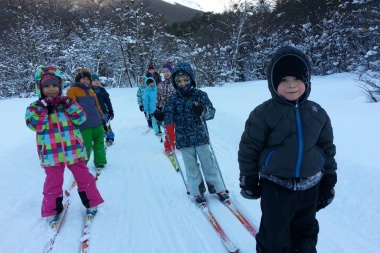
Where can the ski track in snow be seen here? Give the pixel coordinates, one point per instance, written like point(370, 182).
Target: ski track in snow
point(146, 207)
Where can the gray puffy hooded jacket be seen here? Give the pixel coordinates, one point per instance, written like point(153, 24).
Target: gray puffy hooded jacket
point(287, 139)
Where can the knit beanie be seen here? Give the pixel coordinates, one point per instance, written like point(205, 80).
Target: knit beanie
point(82, 72)
point(168, 65)
point(94, 77)
point(289, 65)
point(49, 79)
point(151, 65)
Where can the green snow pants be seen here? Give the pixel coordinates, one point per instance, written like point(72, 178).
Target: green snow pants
point(94, 140)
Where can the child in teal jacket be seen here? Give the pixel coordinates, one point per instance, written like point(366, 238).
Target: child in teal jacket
point(149, 103)
point(140, 97)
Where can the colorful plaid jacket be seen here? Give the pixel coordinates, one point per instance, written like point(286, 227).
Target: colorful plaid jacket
point(59, 141)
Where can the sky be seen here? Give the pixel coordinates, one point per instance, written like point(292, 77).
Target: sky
point(204, 5)
point(146, 207)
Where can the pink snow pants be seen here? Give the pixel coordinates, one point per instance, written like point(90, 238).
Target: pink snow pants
point(53, 193)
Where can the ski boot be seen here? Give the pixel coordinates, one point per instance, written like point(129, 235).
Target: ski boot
point(53, 220)
point(200, 199)
point(223, 196)
point(90, 213)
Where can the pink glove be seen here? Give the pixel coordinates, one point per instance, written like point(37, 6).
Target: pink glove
point(64, 101)
point(45, 102)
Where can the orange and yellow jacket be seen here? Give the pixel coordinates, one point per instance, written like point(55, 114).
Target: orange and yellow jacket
point(86, 98)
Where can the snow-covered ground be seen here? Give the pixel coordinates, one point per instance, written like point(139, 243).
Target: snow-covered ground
point(146, 207)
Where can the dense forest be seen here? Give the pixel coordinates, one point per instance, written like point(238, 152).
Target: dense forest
point(118, 39)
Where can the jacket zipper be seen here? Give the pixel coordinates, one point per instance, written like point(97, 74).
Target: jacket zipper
point(300, 141)
point(60, 134)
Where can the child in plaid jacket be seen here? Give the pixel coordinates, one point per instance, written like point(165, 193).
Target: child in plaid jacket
point(55, 120)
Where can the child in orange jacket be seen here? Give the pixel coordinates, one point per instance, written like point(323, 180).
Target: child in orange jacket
point(92, 129)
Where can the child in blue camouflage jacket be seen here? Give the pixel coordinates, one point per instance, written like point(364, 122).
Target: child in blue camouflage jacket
point(188, 108)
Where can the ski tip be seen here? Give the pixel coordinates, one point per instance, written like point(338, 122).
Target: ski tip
point(232, 248)
point(202, 205)
point(85, 238)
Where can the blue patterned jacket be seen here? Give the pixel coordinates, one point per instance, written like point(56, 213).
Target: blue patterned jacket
point(189, 129)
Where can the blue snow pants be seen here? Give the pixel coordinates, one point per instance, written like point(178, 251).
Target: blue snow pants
point(194, 174)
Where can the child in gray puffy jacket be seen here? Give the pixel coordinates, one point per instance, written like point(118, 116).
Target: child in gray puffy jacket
point(286, 157)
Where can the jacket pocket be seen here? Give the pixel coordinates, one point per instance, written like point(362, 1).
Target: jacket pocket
point(267, 159)
point(313, 161)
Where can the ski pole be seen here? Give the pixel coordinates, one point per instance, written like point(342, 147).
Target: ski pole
point(176, 160)
point(212, 152)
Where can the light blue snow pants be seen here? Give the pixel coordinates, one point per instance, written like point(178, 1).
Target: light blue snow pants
point(193, 173)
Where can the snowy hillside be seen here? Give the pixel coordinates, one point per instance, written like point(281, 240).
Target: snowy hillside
point(210, 5)
point(146, 207)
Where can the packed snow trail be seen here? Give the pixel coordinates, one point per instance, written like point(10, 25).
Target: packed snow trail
point(146, 207)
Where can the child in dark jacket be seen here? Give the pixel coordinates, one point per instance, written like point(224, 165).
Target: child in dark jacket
point(187, 109)
point(55, 119)
point(106, 105)
point(153, 73)
point(92, 129)
point(286, 157)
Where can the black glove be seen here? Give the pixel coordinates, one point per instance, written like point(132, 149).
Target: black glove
point(47, 102)
point(326, 190)
point(111, 114)
point(159, 116)
point(141, 108)
point(198, 109)
point(250, 187)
